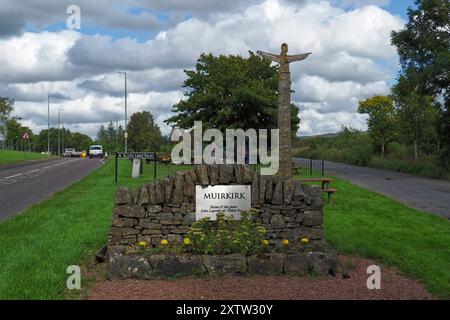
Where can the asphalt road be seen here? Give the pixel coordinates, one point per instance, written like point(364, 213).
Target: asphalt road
point(421, 193)
point(26, 184)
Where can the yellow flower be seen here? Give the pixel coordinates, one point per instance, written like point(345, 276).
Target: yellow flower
point(265, 242)
point(285, 242)
point(305, 240)
point(164, 242)
point(143, 244)
point(187, 241)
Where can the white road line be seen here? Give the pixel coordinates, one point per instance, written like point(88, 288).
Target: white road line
point(16, 175)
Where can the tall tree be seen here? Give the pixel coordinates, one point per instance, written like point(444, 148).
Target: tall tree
point(381, 122)
point(143, 133)
point(230, 92)
point(424, 50)
point(6, 107)
point(416, 113)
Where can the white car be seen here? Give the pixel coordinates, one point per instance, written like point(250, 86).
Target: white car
point(96, 151)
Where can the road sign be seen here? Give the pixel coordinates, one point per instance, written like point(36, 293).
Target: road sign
point(25, 136)
point(136, 155)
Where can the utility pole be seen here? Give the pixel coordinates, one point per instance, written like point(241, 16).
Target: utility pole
point(59, 131)
point(117, 135)
point(126, 117)
point(48, 125)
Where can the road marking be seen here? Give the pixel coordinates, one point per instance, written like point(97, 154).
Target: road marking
point(16, 175)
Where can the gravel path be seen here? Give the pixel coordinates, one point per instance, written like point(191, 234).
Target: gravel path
point(393, 286)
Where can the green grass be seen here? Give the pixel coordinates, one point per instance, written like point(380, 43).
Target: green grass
point(374, 226)
point(37, 246)
point(8, 157)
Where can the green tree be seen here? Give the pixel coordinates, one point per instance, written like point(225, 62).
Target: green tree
point(416, 113)
point(382, 120)
point(143, 133)
point(230, 92)
point(6, 107)
point(424, 50)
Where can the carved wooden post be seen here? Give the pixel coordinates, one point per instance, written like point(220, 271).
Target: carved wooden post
point(284, 105)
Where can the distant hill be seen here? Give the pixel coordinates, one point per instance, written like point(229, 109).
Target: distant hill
point(325, 135)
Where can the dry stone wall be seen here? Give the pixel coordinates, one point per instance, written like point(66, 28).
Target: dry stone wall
point(165, 209)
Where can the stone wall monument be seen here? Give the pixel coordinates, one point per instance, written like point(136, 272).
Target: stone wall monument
point(284, 105)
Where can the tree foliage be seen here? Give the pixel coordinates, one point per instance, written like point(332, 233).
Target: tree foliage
point(143, 133)
point(382, 120)
point(424, 45)
point(230, 92)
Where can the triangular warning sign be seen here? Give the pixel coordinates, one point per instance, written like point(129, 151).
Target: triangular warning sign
point(25, 136)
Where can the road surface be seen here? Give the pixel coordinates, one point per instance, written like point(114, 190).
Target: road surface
point(26, 184)
point(421, 193)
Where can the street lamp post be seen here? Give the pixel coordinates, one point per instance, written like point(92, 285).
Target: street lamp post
point(126, 117)
point(59, 131)
point(48, 125)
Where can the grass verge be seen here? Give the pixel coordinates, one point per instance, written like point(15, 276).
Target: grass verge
point(9, 157)
point(374, 226)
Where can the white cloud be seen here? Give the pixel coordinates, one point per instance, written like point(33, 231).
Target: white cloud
point(352, 59)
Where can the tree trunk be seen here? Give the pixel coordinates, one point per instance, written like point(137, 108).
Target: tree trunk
point(382, 148)
point(415, 151)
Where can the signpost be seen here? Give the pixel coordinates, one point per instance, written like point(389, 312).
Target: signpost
point(25, 138)
point(136, 157)
point(230, 200)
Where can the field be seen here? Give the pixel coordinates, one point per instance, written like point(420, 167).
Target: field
point(37, 246)
point(8, 157)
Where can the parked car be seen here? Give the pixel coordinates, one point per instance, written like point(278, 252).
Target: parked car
point(96, 151)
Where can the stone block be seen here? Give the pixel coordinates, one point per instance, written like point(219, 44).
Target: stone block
point(226, 173)
point(123, 196)
point(175, 266)
point(266, 264)
point(129, 211)
point(312, 218)
point(227, 264)
point(124, 222)
point(296, 264)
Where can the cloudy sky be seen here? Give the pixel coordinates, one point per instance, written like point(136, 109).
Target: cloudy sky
point(155, 40)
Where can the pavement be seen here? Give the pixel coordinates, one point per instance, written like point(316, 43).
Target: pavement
point(28, 183)
point(421, 193)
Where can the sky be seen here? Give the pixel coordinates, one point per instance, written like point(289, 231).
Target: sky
point(155, 40)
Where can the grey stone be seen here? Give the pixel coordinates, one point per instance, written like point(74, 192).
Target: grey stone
point(154, 208)
point(124, 222)
point(151, 193)
point(148, 224)
point(121, 240)
point(165, 216)
point(277, 221)
point(169, 183)
point(247, 174)
point(175, 266)
point(177, 197)
point(189, 218)
point(295, 264)
point(226, 264)
point(123, 196)
point(323, 263)
point(237, 168)
point(225, 173)
point(299, 195)
point(312, 192)
point(312, 218)
point(266, 264)
point(128, 266)
point(123, 231)
point(214, 175)
point(201, 171)
point(143, 198)
point(288, 191)
point(255, 190)
point(159, 191)
point(277, 196)
point(262, 188)
point(152, 232)
point(269, 188)
point(130, 211)
point(193, 175)
point(189, 187)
